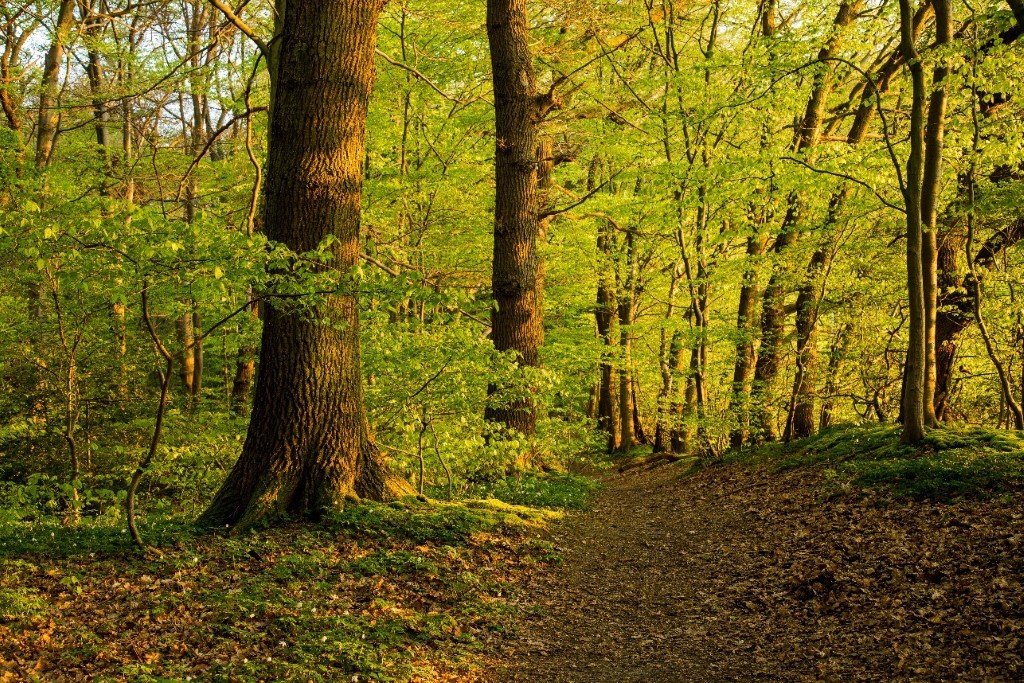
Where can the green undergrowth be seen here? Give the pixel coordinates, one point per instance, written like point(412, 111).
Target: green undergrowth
point(560, 491)
point(423, 521)
point(412, 590)
point(951, 463)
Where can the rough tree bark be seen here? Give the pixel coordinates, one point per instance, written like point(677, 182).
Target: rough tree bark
point(516, 317)
point(309, 446)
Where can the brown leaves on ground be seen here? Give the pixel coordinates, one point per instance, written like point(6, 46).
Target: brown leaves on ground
point(294, 603)
point(745, 574)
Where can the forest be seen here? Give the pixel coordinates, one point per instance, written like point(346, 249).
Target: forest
point(624, 340)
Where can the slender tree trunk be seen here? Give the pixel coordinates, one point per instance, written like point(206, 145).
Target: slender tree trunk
point(94, 70)
point(678, 433)
point(604, 316)
point(836, 356)
point(914, 378)
point(627, 313)
point(773, 316)
point(516, 317)
point(664, 435)
point(746, 350)
point(187, 366)
point(309, 446)
point(46, 130)
point(931, 185)
point(667, 342)
point(197, 356)
point(801, 421)
point(241, 386)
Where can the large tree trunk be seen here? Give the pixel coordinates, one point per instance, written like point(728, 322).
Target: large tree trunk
point(516, 317)
point(309, 445)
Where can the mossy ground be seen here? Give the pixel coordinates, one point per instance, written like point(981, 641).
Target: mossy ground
point(951, 463)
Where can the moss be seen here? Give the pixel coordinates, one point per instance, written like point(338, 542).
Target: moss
point(951, 462)
point(433, 521)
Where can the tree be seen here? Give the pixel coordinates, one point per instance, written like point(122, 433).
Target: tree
point(914, 380)
point(516, 317)
point(309, 445)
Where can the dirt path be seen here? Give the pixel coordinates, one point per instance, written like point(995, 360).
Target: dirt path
point(631, 600)
point(737, 574)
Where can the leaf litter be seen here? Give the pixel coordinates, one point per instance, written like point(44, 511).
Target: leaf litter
point(743, 573)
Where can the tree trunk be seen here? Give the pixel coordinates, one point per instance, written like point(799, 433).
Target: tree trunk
point(836, 356)
point(955, 314)
point(666, 347)
point(241, 386)
point(914, 377)
point(516, 318)
point(46, 130)
point(627, 312)
point(932, 176)
point(187, 366)
point(604, 317)
point(197, 356)
point(801, 421)
point(773, 316)
point(746, 351)
point(309, 446)
point(669, 414)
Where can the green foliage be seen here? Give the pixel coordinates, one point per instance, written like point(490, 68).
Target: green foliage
point(392, 562)
point(21, 603)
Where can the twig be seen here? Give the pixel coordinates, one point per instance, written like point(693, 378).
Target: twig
point(243, 27)
point(850, 178)
point(415, 72)
point(165, 381)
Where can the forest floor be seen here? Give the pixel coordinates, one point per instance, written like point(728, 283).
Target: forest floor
point(843, 558)
point(410, 591)
point(746, 572)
